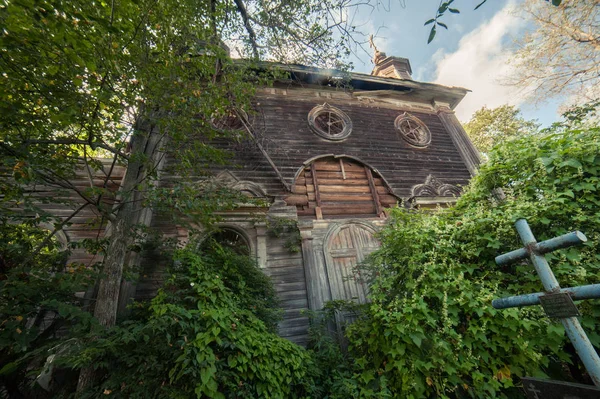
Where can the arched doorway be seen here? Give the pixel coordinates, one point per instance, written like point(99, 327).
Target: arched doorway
point(348, 245)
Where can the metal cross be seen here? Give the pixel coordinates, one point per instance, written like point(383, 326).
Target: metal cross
point(557, 302)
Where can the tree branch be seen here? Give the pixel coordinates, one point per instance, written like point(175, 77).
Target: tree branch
point(244, 13)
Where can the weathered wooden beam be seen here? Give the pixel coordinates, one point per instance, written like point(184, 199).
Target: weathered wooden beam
point(313, 172)
point(463, 144)
point(373, 190)
point(315, 184)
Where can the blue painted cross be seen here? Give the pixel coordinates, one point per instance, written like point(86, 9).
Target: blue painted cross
point(554, 299)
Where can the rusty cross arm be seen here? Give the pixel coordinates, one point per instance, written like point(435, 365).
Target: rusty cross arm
point(535, 252)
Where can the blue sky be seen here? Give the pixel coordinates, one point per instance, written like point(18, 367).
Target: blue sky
point(472, 53)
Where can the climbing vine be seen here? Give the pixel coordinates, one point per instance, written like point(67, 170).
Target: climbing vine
point(430, 330)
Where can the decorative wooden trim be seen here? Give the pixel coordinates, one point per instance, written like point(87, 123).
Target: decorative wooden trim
point(373, 191)
point(341, 116)
point(420, 140)
point(459, 137)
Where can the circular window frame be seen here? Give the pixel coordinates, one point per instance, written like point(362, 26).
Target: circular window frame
point(406, 117)
point(326, 108)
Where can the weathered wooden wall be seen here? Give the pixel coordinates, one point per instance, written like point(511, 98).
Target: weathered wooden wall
point(282, 122)
point(280, 126)
point(87, 223)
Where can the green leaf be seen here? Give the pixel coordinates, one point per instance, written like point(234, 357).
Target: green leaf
point(454, 10)
point(417, 338)
point(442, 25)
point(9, 368)
point(571, 162)
point(431, 34)
point(430, 21)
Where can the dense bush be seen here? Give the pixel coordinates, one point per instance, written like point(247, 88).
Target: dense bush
point(38, 306)
point(208, 333)
point(430, 330)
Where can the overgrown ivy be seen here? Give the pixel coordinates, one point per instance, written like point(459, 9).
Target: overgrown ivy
point(208, 333)
point(430, 330)
point(279, 227)
point(38, 306)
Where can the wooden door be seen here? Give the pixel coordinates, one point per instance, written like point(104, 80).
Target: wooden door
point(347, 247)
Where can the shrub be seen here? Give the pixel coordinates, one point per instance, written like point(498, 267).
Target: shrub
point(430, 330)
point(206, 334)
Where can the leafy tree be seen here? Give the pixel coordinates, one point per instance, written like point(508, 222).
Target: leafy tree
point(491, 126)
point(430, 330)
point(130, 81)
point(561, 55)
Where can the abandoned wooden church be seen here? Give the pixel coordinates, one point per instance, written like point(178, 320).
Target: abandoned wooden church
point(333, 160)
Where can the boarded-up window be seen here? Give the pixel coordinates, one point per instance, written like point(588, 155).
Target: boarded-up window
point(337, 187)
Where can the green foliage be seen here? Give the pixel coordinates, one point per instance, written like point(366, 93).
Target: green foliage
point(38, 307)
point(207, 334)
point(288, 228)
point(334, 365)
point(430, 330)
point(491, 126)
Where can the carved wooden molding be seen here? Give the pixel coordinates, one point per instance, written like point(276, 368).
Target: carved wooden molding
point(230, 180)
point(435, 188)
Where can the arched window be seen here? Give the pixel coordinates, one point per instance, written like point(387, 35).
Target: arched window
point(228, 238)
point(333, 187)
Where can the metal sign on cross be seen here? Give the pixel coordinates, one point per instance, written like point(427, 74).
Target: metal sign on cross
point(557, 302)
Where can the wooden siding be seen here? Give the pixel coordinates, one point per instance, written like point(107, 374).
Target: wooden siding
point(281, 121)
point(286, 270)
point(87, 223)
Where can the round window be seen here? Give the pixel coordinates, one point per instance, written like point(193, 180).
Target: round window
point(329, 122)
point(413, 130)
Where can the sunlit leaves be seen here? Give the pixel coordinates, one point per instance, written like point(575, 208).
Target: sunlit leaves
point(430, 325)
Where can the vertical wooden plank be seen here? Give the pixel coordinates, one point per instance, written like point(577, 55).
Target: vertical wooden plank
point(313, 171)
point(318, 212)
point(342, 167)
point(373, 190)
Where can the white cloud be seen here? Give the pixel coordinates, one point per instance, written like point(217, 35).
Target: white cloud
point(480, 62)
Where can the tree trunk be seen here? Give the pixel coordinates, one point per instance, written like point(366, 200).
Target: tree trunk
point(129, 214)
